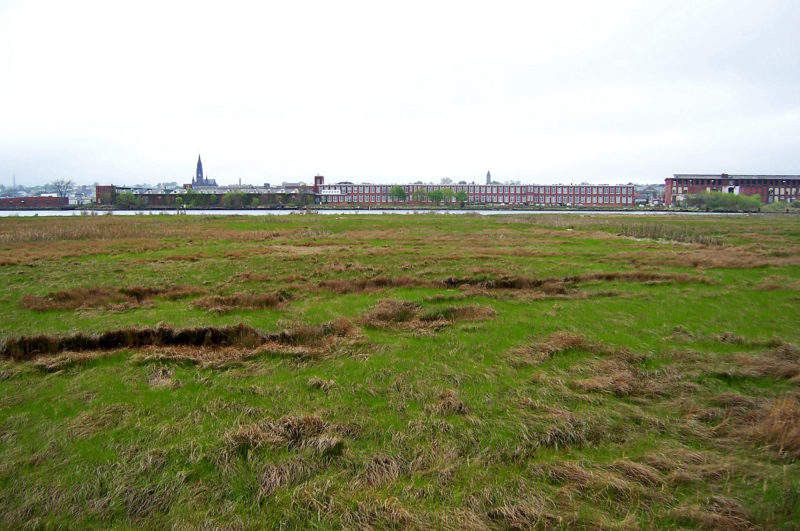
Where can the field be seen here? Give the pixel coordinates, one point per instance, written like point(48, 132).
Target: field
point(427, 371)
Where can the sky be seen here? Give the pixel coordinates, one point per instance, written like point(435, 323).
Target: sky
point(394, 92)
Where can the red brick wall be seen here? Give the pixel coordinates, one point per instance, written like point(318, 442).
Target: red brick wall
point(33, 202)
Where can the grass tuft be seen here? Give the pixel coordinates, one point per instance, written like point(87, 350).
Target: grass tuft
point(239, 301)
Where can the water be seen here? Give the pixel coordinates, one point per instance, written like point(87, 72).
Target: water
point(58, 213)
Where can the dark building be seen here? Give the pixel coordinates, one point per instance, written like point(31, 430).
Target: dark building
point(199, 180)
point(769, 188)
point(105, 195)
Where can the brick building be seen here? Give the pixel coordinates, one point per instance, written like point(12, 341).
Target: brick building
point(770, 188)
point(33, 202)
point(544, 195)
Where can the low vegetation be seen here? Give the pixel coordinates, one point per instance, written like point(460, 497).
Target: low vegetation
point(447, 372)
point(724, 202)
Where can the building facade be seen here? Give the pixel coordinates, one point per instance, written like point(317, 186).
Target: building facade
point(769, 188)
point(538, 195)
point(33, 202)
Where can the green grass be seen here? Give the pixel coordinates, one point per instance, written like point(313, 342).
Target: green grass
point(679, 406)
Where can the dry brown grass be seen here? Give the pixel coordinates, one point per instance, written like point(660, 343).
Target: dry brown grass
point(641, 473)
point(94, 297)
point(410, 315)
point(89, 422)
point(381, 469)
point(208, 357)
point(390, 311)
point(528, 512)
point(782, 362)
point(142, 293)
point(24, 347)
point(450, 404)
point(65, 360)
point(374, 514)
point(191, 344)
point(274, 477)
point(291, 432)
point(162, 378)
point(719, 512)
point(103, 296)
point(543, 286)
point(319, 383)
point(238, 301)
point(568, 429)
point(457, 313)
point(639, 276)
point(768, 365)
point(593, 482)
point(778, 426)
point(560, 285)
point(726, 257)
point(557, 343)
point(619, 377)
point(778, 282)
point(357, 285)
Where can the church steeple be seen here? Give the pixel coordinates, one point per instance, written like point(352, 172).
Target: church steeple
point(199, 170)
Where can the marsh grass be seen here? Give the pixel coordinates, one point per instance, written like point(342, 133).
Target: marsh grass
point(427, 372)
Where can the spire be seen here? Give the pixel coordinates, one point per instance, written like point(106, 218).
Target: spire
point(199, 169)
point(488, 177)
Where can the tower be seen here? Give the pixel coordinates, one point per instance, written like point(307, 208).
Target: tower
point(488, 178)
point(199, 176)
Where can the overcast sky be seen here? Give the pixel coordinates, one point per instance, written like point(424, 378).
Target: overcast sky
point(542, 92)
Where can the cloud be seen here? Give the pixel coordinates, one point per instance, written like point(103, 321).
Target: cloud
point(542, 92)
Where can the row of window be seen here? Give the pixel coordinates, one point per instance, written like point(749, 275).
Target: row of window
point(730, 182)
point(484, 190)
point(533, 199)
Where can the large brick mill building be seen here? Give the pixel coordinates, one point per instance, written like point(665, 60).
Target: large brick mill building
point(525, 194)
point(769, 188)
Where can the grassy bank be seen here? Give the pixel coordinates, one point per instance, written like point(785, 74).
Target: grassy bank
point(400, 371)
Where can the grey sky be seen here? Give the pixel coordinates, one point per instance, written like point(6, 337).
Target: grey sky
point(541, 92)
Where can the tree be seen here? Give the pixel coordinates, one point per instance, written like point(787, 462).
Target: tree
point(303, 196)
point(397, 193)
point(462, 197)
point(62, 187)
point(448, 194)
point(436, 196)
point(419, 195)
point(447, 180)
point(233, 199)
point(127, 199)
